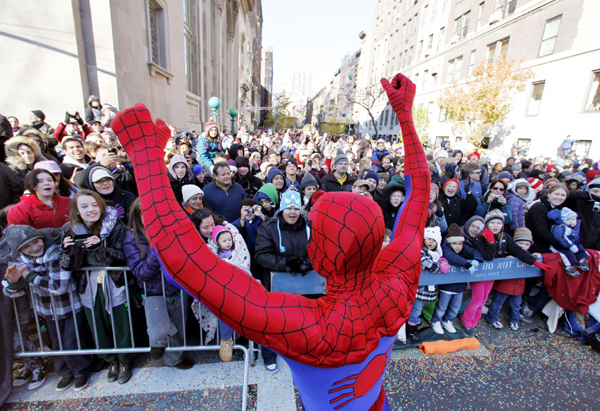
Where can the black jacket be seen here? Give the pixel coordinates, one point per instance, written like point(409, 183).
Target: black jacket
point(503, 248)
point(10, 186)
point(390, 212)
point(540, 225)
point(458, 210)
point(251, 184)
point(294, 239)
point(583, 203)
point(330, 183)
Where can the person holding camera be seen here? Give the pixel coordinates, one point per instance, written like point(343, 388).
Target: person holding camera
point(94, 236)
point(493, 199)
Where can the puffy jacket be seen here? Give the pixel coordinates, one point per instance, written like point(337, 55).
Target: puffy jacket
point(31, 211)
point(462, 259)
point(276, 241)
point(483, 208)
point(517, 207)
point(148, 270)
point(330, 183)
point(587, 207)
point(207, 151)
point(566, 236)
point(537, 221)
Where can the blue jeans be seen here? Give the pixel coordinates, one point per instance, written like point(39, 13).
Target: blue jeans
point(225, 331)
point(514, 307)
point(415, 313)
point(447, 307)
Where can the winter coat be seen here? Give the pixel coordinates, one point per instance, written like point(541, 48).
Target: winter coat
point(120, 199)
point(378, 155)
point(390, 212)
point(456, 209)
point(10, 186)
point(147, 271)
point(207, 151)
point(537, 221)
point(60, 131)
point(109, 253)
point(31, 211)
point(276, 241)
point(330, 183)
point(469, 187)
point(250, 183)
point(483, 208)
point(462, 259)
point(178, 183)
point(225, 202)
point(587, 207)
point(6, 132)
point(518, 208)
point(249, 231)
point(13, 159)
point(567, 236)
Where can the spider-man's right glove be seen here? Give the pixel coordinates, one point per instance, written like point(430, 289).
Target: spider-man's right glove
point(401, 93)
point(488, 235)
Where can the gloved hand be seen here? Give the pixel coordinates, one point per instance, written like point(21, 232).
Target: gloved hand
point(305, 267)
point(488, 235)
point(543, 266)
point(293, 265)
point(475, 263)
point(78, 118)
point(472, 269)
point(67, 118)
point(401, 93)
point(444, 266)
point(439, 212)
point(573, 248)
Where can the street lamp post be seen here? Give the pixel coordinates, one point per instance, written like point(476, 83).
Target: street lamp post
point(233, 113)
point(214, 103)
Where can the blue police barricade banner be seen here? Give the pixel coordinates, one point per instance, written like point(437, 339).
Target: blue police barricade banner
point(497, 269)
point(311, 283)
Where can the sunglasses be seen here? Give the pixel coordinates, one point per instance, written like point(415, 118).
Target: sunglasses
point(499, 189)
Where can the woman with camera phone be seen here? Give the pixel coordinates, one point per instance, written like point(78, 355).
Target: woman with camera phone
point(495, 198)
point(94, 237)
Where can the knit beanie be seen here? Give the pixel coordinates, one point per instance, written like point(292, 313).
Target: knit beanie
point(494, 214)
point(290, 199)
point(451, 180)
point(373, 175)
point(441, 154)
point(455, 234)
point(40, 114)
point(242, 162)
point(591, 175)
point(536, 173)
point(210, 124)
point(535, 183)
point(523, 234)
point(433, 233)
point(272, 173)
point(506, 174)
point(595, 183)
point(339, 158)
point(566, 213)
point(197, 169)
point(436, 189)
point(526, 164)
point(517, 167)
point(190, 190)
point(18, 236)
point(307, 181)
point(48, 165)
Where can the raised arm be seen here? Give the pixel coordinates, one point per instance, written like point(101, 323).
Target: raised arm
point(276, 320)
point(403, 255)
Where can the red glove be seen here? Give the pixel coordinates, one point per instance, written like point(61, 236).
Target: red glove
point(488, 235)
point(543, 266)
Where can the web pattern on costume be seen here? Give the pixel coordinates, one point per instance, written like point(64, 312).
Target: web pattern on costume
point(369, 293)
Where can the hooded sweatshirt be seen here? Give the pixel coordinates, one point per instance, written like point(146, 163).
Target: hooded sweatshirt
point(178, 183)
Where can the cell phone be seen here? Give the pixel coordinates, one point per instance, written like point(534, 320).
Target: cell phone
point(79, 239)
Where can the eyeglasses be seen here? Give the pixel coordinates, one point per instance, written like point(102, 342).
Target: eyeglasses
point(502, 189)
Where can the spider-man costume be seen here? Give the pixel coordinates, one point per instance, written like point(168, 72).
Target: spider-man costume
point(337, 346)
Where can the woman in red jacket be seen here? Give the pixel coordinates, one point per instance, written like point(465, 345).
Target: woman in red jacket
point(43, 207)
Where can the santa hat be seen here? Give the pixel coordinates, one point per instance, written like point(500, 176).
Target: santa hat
point(455, 234)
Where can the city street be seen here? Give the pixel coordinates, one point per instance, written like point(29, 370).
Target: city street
point(527, 369)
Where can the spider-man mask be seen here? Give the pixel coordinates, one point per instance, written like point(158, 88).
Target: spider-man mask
point(347, 231)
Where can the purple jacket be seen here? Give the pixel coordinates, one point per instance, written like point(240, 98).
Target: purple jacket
point(146, 270)
point(517, 204)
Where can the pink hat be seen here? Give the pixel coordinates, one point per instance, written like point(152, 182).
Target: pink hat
point(218, 230)
point(48, 165)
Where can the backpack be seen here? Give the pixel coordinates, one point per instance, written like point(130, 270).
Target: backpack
point(584, 333)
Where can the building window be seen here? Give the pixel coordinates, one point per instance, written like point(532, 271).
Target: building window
point(420, 51)
point(593, 101)
point(434, 10)
point(523, 145)
point(189, 51)
point(445, 6)
point(441, 38)
point(403, 33)
point(439, 140)
point(425, 10)
point(417, 80)
point(385, 117)
point(505, 7)
point(536, 98)
point(410, 56)
point(458, 140)
point(450, 74)
point(471, 63)
point(497, 49)
point(479, 15)
point(581, 148)
point(457, 68)
point(425, 79)
point(415, 24)
point(443, 116)
point(461, 26)
point(396, 39)
point(156, 16)
point(409, 30)
point(429, 42)
point(549, 36)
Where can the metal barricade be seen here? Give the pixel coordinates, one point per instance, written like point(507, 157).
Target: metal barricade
point(81, 350)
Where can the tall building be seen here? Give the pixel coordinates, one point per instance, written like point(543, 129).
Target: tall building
point(128, 52)
point(300, 85)
point(436, 41)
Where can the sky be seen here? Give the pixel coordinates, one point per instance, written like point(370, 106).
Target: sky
point(313, 35)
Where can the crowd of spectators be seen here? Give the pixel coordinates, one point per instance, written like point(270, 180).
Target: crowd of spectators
point(69, 200)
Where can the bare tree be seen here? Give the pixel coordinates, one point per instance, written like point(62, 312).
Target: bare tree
point(366, 98)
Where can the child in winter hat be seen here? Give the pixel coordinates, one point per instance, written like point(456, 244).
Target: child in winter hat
point(566, 231)
point(431, 260)
point(223, 239)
